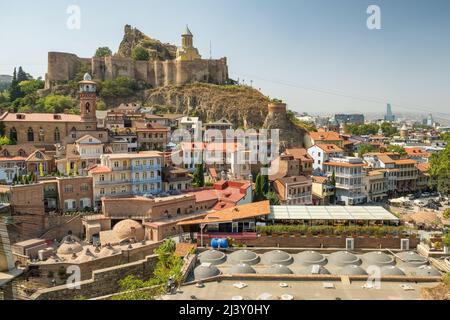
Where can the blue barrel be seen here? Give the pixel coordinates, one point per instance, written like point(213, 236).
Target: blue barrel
point(223, 243)
point(215, 243)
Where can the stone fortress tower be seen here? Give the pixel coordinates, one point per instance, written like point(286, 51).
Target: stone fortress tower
point(290, 134)
point(187, 67)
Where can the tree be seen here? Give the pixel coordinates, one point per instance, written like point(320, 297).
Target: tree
point(199, 176)
point(362, 129)
point(333, 184)
point(387, 129)
point(31, 86)
point(14, 89)
point(365, 148)
point(140, 53)
point(397, 149)
point(4, 140)
point(273, 199)
point(56, 103)
point(103, 52)
point(439, 170)
point(446, 213)
point(259, 188)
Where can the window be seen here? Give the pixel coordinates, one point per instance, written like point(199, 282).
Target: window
point(102, 177)
point(84, 187)
point(136, 175)
point(116, 164)
point(68, 188)
point(102, 190)
point(30, 134)
point(13, 134)
point(113, 190)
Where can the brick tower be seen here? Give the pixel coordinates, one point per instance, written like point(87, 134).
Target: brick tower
point(88, 97)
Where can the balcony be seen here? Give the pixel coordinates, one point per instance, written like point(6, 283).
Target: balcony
point(146, 167)
point(121, 168)
point(112, 182)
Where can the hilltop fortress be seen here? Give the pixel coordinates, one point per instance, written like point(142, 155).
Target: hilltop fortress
point(166, 65)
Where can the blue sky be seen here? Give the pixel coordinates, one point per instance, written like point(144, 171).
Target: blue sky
point(317, 55)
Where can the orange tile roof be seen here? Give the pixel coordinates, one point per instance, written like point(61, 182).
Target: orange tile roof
point(40, 117)
point(12, 159)
point(321, 136)
point(417, 152)
point(405, 161)
point(423, 167)
point(344, 164)
point(245, 211)
point(319, 179)
point(329, 148)
point(100, 169)
point(299, 154)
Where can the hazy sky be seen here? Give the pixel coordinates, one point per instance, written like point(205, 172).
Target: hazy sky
point(317, 55)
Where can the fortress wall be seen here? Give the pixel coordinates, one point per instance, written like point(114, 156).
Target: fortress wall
point(61, 67)
point(170, 72)
point(64, 66)
point(192, 71)
point(98, 68)
point(141, 70)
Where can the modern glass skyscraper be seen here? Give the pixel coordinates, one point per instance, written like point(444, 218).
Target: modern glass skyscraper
point(389, 116)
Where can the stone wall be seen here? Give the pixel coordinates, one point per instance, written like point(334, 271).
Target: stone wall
point(64, 66)
point(103, 282)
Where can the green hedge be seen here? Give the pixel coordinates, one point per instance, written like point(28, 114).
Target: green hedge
point(331, 231)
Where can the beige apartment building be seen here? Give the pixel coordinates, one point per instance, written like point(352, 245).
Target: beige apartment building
point(127, 174)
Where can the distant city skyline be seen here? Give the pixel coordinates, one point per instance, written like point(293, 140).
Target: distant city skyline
point(318, 56)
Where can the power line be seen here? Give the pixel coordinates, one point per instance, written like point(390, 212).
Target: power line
point(334, 93)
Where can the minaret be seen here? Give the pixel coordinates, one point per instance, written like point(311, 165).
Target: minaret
point(88, 98)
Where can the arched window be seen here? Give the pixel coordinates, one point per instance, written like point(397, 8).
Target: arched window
point(30, 134)
point(57, 135)
point(88, 107)
point(13, 134)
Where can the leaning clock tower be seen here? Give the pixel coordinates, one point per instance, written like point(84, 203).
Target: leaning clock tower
point(88, 97)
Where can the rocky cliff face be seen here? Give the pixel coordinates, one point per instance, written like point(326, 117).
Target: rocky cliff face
point(243, 106)
point(133, 38)
point(291, 135)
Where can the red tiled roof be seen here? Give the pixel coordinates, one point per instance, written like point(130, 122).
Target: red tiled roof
point(329, 148)
point(321, 136)
point(100, 169)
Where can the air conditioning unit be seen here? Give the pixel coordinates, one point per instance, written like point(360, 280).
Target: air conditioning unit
point(404, 244)
point(349, 244)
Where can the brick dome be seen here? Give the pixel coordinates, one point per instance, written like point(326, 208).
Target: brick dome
point(128, 229)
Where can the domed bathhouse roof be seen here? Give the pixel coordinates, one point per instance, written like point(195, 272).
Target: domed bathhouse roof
point(412, 259)
point(314, 269)
point(69, 245)
point(278, 269)
point(344, 258)
point(241, 268)
point(277, 257)
point(244, 256)
point(205, 270)
point(391, 271)
point(214, 257)
point(427, 271)
point(85, 255)
point(128, 229)
point(107, 251)
point(352, 270)
point(308, 258)
point(378, 258)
